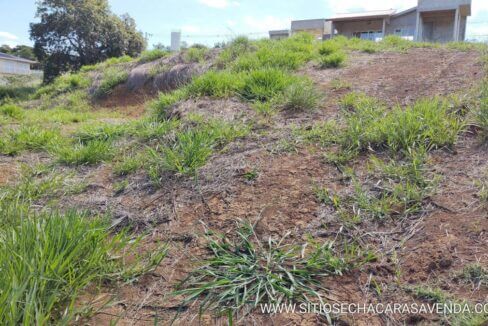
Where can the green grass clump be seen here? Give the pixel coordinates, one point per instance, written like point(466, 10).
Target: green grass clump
point(192, 148)
point(476, 274)
point(165, 101)
point(48, 259)
point(196, 54)
point(128, 165)
point(265, 84)
point(101, 132)
point(333, 60)
point(244, 272)
point(327, 48)
point(107, 63)
point(300, 96)
point(64, 84)
point(481, 113)
point(152, 55)
point(12, 111)
point(32, 138)
point(112, 77)
point(90, 153)
point(427, 123)
point(219, 84)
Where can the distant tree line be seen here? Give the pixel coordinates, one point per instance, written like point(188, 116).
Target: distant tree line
point(74, 33)
point(22, 51)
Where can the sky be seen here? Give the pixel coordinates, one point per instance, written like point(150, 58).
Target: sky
point(211, 21)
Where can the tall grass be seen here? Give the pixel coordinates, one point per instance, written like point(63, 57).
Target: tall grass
point(192, 148)
point(89, 153)
point(27, 137)
point(152, 55)
point(427, 123)
point(47, 260)
point(112, 77)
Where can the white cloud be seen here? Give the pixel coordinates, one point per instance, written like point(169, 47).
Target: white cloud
point(267, 23)
point(219, 4)
point(8, 36)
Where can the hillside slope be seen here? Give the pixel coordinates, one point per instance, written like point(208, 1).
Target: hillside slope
point(370, 157)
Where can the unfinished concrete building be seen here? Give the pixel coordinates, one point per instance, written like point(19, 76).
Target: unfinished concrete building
point(430, 21)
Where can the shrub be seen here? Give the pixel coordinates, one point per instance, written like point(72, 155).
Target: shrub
point(246, 272)
point(264, 84)
point(218, 84)
point(12, 111)
point(152, 55)
point(112, 77)
point(91, 153)
point(300, 96)
point(334, 60)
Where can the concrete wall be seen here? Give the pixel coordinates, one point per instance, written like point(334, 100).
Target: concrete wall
point(430, 5)
point(406, 23)
point(349, 28)
point(14, 67)
point(442, 24)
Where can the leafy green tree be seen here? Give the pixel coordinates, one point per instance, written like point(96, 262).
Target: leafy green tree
point(73, 33)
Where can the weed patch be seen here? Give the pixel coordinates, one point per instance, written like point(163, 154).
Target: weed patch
point(245, 272)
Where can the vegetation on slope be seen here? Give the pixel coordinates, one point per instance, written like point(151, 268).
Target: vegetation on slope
point(396, 142)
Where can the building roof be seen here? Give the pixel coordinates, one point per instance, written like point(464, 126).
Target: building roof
point(308, 24)
point(6, 56)
point(363, 15)
point(280, 31)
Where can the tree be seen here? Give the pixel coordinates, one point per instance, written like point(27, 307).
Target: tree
point(73, 33)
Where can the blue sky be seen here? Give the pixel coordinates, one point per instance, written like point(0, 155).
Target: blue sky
point(201, 20)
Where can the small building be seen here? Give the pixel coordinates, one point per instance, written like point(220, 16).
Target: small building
point(12, 65)
point(320, 28)
point(430, 21)
point(279, 34)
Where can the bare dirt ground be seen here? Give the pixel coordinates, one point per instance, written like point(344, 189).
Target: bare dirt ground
point(429, 250)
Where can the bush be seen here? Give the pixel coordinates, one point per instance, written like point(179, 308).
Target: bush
point(334, 60)
point(300, 96)
point(91, 153)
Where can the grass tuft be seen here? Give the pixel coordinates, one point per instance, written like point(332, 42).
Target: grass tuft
point(245, 272)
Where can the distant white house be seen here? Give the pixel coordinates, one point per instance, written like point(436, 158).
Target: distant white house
point(12, 65)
